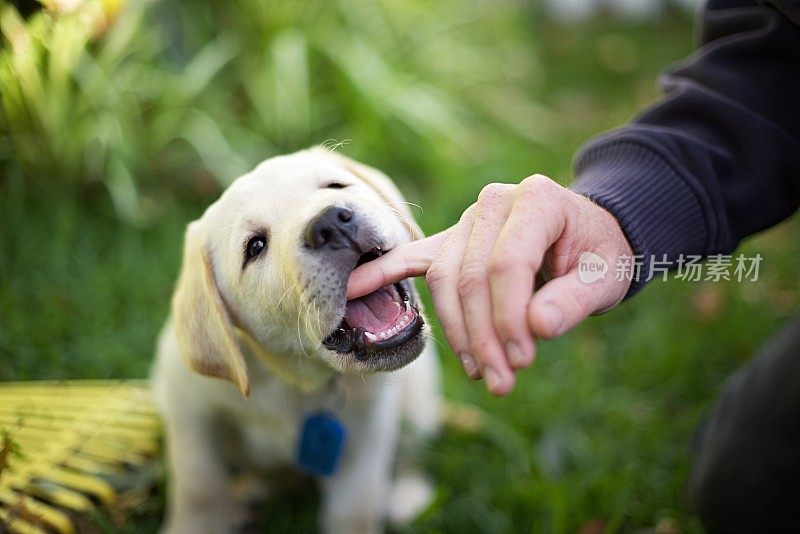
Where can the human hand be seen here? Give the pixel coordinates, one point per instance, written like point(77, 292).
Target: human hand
point(481, 273)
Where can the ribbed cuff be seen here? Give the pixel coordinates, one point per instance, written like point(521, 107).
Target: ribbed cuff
point(656, 208)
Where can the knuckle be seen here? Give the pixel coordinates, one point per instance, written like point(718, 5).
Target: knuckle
point(503, 263)
point(482, 347)
point(437, 275)
point(537, 180)
point(469, 213)
point(540, 187)
point(507, 263)
point(471, 280)
point(407, 267)
point(534, 186)
point(493, 192)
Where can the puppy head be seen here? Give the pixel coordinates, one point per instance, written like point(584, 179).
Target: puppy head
point(272, 257)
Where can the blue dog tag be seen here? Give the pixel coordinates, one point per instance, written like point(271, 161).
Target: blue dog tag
point(322, 441)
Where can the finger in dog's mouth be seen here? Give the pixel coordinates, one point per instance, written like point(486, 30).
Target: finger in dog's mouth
point(382, 320)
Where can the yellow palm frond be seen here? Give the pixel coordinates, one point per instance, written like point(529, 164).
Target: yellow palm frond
point(61, 443)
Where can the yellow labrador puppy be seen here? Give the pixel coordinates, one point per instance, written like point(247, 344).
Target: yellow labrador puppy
point(262, 349)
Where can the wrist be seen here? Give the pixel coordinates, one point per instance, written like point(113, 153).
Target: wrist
point(630, 180)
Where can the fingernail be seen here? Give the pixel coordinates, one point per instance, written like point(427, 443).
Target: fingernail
point(468, 362)
point(514, 353)
point(492, 378)
point(554, 318)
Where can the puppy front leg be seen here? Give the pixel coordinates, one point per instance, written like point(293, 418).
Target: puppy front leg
point(413, 490)
point(356, 498)
point(200, 500)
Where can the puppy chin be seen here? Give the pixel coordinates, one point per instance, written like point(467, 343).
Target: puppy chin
point(368, 360)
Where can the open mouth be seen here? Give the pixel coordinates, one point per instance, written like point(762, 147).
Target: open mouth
point(381, 320)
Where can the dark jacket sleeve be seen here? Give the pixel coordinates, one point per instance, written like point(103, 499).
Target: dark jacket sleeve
point(718, 158)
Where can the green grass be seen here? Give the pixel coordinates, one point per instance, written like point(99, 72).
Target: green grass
point(598, 430)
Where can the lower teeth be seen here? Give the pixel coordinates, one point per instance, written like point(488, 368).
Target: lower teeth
point(388, 333)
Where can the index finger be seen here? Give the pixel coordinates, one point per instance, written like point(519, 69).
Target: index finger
point(403, 261)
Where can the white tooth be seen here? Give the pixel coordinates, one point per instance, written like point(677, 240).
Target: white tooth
point(370, 336)
point(383, 335)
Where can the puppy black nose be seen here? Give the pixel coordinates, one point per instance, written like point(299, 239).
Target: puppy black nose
point(334, 227)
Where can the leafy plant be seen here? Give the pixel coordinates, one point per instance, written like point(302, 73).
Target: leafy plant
point(86, 99)
point(143, 98)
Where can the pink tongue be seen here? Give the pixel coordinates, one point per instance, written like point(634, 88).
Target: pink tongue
point(374, 312)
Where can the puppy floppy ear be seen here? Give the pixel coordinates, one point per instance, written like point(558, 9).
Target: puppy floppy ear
point(203, 325)
point(383, 185)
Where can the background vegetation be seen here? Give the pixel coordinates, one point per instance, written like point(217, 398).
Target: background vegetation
point(122, 120)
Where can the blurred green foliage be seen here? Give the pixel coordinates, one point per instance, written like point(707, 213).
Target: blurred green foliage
point(121, 121)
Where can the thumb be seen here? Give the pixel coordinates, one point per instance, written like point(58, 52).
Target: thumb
point(565, 301)
point(403, 261)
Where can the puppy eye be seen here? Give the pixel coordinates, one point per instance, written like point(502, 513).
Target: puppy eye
point(335, 185)
point(255, 246)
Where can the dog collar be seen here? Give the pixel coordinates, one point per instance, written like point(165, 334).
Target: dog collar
point(305, 374)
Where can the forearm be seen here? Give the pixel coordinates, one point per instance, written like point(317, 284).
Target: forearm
point(719, 157)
